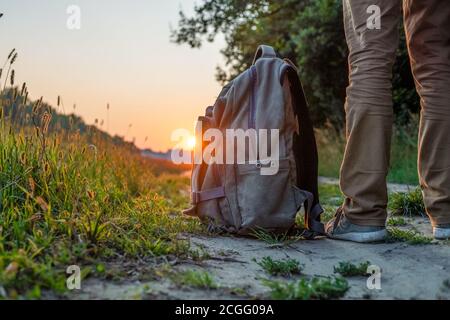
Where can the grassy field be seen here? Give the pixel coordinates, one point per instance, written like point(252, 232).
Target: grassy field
point(76, 200)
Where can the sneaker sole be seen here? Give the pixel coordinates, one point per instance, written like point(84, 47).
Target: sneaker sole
point(362, 237)
point(441, 233)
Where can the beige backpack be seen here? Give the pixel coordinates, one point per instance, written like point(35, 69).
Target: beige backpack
point(237, 197)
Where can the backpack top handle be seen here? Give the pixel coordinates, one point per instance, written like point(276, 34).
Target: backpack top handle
point(264, 51)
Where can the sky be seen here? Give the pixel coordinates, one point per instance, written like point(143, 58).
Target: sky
point(121, 55)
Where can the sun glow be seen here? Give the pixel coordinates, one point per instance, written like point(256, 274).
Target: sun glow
point(190, 143)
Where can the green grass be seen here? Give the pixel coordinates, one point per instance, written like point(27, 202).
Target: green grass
point(195, 279)
point(330, 194)
point(348, 269)
point(404, 155)
point(286, 267)
point(396, 221)
point(199, 255)
point(408, 236)
point(68, 198)
point(330, 146)
point(62, 204)
point(407, 204)
point(306, 289)
point(238, 291)
point(274, 239)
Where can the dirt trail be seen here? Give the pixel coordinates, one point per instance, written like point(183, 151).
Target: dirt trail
point(408, 271)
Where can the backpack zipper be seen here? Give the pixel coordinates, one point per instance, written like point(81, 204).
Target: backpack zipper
point(252, 113)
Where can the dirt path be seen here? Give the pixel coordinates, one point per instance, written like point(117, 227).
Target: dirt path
point(408, 271)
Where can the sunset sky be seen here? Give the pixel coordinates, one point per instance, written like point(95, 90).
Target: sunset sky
point(122, 55)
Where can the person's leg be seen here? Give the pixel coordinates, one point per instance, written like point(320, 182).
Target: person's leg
point(427, 27)
point(369, 117)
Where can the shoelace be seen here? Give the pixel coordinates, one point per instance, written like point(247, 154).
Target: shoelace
point(337, 217)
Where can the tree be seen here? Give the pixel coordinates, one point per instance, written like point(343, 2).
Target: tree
point(308, 32)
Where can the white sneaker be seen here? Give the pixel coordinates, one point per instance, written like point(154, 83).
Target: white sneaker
point(441, 232)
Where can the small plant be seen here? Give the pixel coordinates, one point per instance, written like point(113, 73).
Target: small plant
point(408, 204)
point(348, 269)
point(274, 239)
point(305, 289)
point(199, 254)
point(411, 237)
point(285, 267)
point(238, 291)
point(396, 221)
point(195, 279)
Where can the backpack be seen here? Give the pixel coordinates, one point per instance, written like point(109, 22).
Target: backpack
point(236, 197)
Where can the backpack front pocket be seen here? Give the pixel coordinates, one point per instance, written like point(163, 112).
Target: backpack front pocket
point(267, 202)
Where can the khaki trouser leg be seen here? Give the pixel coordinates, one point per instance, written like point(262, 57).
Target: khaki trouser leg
point(369, 112)
point(427, 26)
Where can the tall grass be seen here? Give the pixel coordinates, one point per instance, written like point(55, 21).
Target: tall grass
point(331, 146)
point(77, 198)
point(404, 154)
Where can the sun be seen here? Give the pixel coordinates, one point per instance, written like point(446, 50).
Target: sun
point(190, 143)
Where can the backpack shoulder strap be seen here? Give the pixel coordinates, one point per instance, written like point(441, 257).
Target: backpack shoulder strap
point(305, 150)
